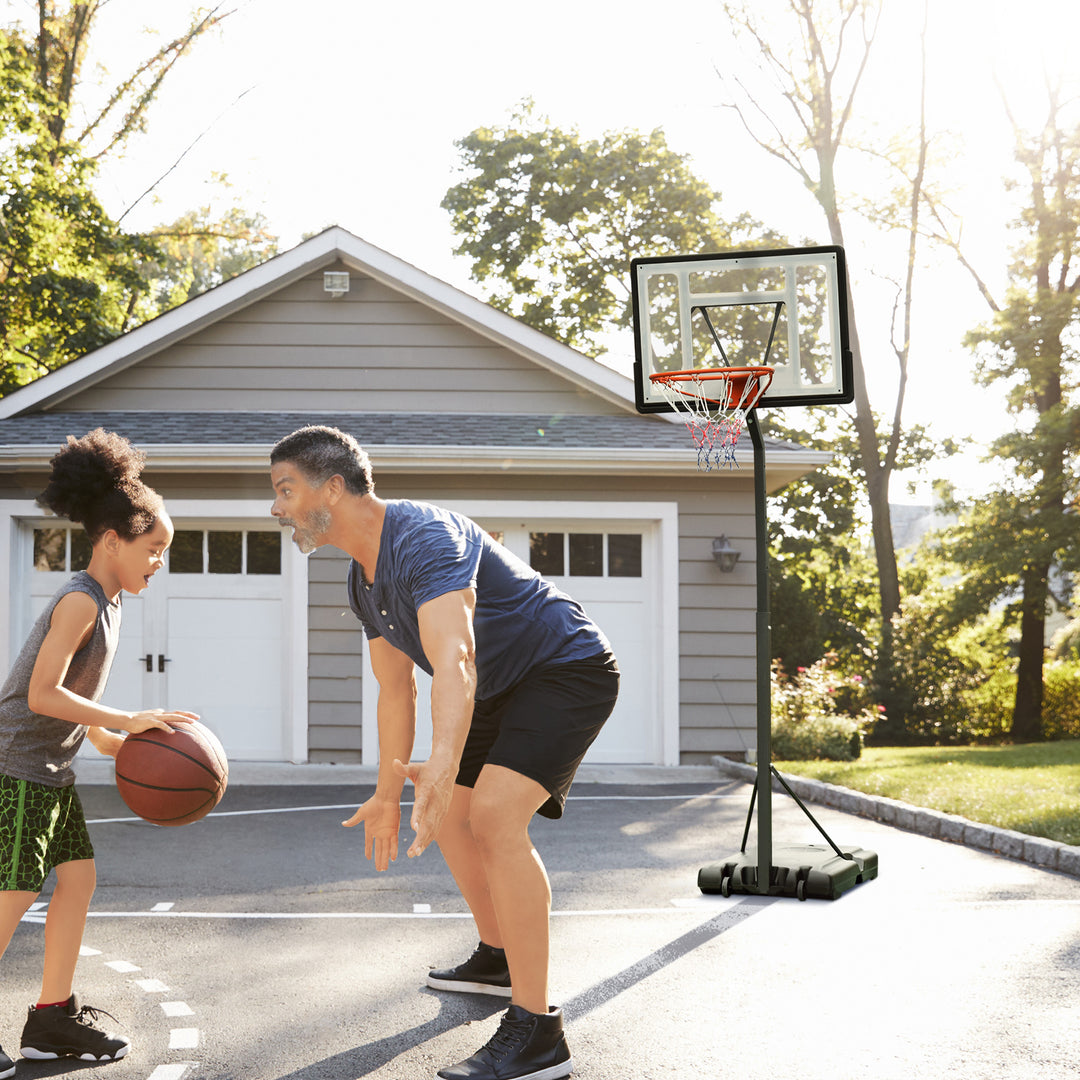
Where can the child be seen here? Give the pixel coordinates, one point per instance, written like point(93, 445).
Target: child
point(49, 704)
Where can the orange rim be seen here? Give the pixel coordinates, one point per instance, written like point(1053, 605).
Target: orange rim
point(735, 377)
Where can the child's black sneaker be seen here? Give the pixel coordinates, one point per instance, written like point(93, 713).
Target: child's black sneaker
point(527, 1046)
point(7, 1066)
point(69, 1030)
point(485, 972)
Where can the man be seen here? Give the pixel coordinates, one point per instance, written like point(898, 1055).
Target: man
point(522, 682)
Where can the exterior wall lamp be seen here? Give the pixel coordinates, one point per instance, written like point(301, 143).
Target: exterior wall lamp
point(335, 282)
point(725, 555)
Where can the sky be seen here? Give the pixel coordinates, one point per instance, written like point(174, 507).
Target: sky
point(345, 112)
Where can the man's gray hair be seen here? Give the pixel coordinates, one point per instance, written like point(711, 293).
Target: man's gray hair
point(321, 452)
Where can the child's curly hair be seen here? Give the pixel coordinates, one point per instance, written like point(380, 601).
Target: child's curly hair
point(95, 482)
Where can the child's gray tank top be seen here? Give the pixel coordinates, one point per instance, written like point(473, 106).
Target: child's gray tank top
point(41, 748)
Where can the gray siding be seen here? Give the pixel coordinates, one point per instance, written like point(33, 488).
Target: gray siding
point(373, 349)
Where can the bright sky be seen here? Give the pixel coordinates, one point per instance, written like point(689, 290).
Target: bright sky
point(345, 112)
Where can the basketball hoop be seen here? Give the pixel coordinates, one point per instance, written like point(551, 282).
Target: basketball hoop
point(716, 401)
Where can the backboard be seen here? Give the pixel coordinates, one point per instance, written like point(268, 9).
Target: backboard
point(786, 309)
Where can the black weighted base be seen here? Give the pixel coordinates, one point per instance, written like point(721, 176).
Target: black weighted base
point(799, 870)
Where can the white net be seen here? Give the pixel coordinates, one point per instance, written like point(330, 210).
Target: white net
point(714, 403)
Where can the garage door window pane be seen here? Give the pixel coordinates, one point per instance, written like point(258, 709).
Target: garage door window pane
point(81, 549)
point(225, 552)
point(624, 555)
point(546, 553)
point(587, 554)
point(50, 549)
point(264, 553)
point(186, 553)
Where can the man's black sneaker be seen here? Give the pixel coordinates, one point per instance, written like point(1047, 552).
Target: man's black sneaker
point(527, 1046)
point(69, 1030)
point(7, 1066)
point(485, 972)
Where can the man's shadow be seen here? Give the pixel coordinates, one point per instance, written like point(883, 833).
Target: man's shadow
point(369, 1057)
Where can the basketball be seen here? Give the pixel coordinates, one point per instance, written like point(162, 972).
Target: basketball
point(172, 779)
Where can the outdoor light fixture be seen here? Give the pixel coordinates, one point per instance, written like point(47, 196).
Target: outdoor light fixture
point(725, 555)
point(335, 282)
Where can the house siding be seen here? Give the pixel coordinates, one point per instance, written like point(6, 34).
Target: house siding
point(371, 350)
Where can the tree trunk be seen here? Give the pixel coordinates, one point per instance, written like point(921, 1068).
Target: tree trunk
point(1027, 708)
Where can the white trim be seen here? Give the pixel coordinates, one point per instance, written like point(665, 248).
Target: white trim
point(294, 570)
point(782, 466)
point(329, 246)
point(666, 630)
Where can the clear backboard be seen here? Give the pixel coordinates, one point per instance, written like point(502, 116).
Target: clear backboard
point(785, 309)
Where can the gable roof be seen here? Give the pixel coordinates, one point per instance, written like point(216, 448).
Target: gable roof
point(334, 245)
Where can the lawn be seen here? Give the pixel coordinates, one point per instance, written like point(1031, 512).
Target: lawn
point(1033, 788)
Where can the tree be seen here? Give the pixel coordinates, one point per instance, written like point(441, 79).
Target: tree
point(198, 251)
point(68, 274)
point(805, 125)
point(551, 221)
point(72, 278)
point(1023, 530)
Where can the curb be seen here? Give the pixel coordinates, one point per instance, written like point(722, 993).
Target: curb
point(1036, 850)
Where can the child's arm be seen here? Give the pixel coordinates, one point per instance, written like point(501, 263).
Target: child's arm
point(105, 742)
point(72, 625)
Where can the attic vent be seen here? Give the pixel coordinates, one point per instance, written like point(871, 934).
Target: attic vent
point(335, 282)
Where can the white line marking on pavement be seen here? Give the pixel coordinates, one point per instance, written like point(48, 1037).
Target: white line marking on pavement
point(121, 966)
point(173, 1071)
point(600, 913)
point(183, 1038)
point(166, 905)
point(151, 986)
point(352, 806)
point(85, 950)
point(176, 1008)
point(421, 909)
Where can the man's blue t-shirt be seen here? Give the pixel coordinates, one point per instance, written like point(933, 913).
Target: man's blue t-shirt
point(521, 621)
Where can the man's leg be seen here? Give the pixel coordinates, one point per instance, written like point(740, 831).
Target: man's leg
point(459, 849)
point(502, 805)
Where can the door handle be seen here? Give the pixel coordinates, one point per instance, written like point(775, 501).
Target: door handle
point(149, 661)
point(162, 660)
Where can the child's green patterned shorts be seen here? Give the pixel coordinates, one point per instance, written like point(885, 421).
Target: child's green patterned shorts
point(40, 828)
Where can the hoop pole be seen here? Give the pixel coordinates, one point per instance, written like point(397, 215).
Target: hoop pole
point(763, 785)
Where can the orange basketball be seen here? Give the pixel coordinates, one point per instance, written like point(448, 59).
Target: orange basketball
point(172, 779)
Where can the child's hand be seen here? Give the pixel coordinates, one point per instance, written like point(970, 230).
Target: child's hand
point(157, 718)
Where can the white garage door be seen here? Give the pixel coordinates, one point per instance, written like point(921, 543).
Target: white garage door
point(206, 636)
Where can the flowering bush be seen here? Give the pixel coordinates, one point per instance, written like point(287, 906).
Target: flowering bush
point(820, 713)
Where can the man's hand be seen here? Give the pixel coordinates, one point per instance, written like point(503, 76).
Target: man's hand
point(434, 791)
point(382, 820)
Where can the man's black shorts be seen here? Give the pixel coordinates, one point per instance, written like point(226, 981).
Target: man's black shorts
point(543, 726)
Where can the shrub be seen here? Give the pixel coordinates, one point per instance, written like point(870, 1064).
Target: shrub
point(819, 713)
point(1061, 700)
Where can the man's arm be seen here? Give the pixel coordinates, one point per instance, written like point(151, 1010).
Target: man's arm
point(396, 713)
point(446, 633)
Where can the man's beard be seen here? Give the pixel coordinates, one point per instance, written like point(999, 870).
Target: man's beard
point(307, 534)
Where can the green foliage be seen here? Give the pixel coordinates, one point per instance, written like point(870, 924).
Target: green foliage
point(820, 713)
point(200, 250)
point(69, 276)
point(1061, 705)
point(71, 279)
point(551, 221)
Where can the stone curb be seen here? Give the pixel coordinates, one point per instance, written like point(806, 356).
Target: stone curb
point(1046, 854)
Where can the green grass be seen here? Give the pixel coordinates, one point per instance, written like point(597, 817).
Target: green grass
point(1033, 788)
